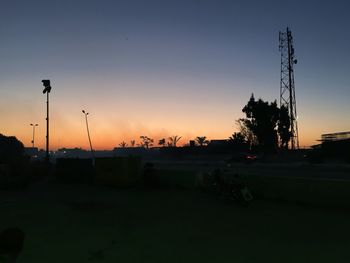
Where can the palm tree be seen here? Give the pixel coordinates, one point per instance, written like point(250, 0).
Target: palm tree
point(173, 140)
point(123, 144)
point(201, 141)
point(132, 142)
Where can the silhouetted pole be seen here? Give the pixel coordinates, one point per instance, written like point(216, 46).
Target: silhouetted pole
point(47, 128)
point(88, 132)
point(47, 90)
point(34, 125)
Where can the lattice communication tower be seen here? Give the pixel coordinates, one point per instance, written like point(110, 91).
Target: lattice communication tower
point(287, 87)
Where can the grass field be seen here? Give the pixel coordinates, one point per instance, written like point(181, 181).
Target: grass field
point(73, 223)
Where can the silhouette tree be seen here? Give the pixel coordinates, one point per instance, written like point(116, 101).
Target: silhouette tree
point(146, 142)
point(237, 138)
point(247, 134)
point(161, 142)
point(262, 119)
point(132, 142)
point(123, 144)
point(283, 127)
point(173, 140)
point(201, 141)
point(11, 150)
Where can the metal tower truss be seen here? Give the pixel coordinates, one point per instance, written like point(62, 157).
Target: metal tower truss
point(287, 87)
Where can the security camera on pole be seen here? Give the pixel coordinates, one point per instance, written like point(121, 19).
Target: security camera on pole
point(47, 90)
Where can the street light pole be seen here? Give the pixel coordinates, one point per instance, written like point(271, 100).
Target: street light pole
point(88, 132)
point(34, 125)
point(47, 90)
point(47, 128)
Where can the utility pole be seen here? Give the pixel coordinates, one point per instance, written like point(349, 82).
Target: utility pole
point(287, 86)
point(34, 125)
point(47, 90)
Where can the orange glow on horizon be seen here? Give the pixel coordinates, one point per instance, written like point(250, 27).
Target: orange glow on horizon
point(124, 116)
point(107, 138)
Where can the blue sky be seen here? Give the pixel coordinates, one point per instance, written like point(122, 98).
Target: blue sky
point(161, 68)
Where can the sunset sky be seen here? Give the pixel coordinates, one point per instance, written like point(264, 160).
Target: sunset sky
point(162, 68)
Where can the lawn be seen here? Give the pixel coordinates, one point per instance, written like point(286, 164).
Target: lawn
point(75, 223)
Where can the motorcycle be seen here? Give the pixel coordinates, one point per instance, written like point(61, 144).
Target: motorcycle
point(231, 189)
point(239, 193)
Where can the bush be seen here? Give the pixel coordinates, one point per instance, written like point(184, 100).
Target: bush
point(11, 150)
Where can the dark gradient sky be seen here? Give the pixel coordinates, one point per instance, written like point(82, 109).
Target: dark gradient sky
point(162, 68)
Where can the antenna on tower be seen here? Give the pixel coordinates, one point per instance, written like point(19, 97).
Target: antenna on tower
point(287, 87)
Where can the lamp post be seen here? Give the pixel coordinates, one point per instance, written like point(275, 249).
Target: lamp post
point(34, 125)
point(88, 132)
point(46, 83)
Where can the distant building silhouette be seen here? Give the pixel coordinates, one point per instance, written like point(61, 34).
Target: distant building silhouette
point(338, 136)
point(33, 152)
point(218, 143)
point(334, 146)
point(80, 153)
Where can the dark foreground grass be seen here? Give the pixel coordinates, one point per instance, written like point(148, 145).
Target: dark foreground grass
point(318, 185)
point(67, 223)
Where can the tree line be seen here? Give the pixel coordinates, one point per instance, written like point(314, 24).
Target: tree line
point(265, 126)
point(171, 141)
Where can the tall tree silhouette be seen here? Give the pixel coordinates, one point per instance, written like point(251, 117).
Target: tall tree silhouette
point(261, 119)
point(284, 127)
point(248, 135)
point(237, 138)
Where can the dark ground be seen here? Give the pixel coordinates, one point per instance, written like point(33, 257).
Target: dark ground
point(72, 223)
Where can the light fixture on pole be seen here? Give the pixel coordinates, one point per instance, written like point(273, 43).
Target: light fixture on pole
point(34, 125)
